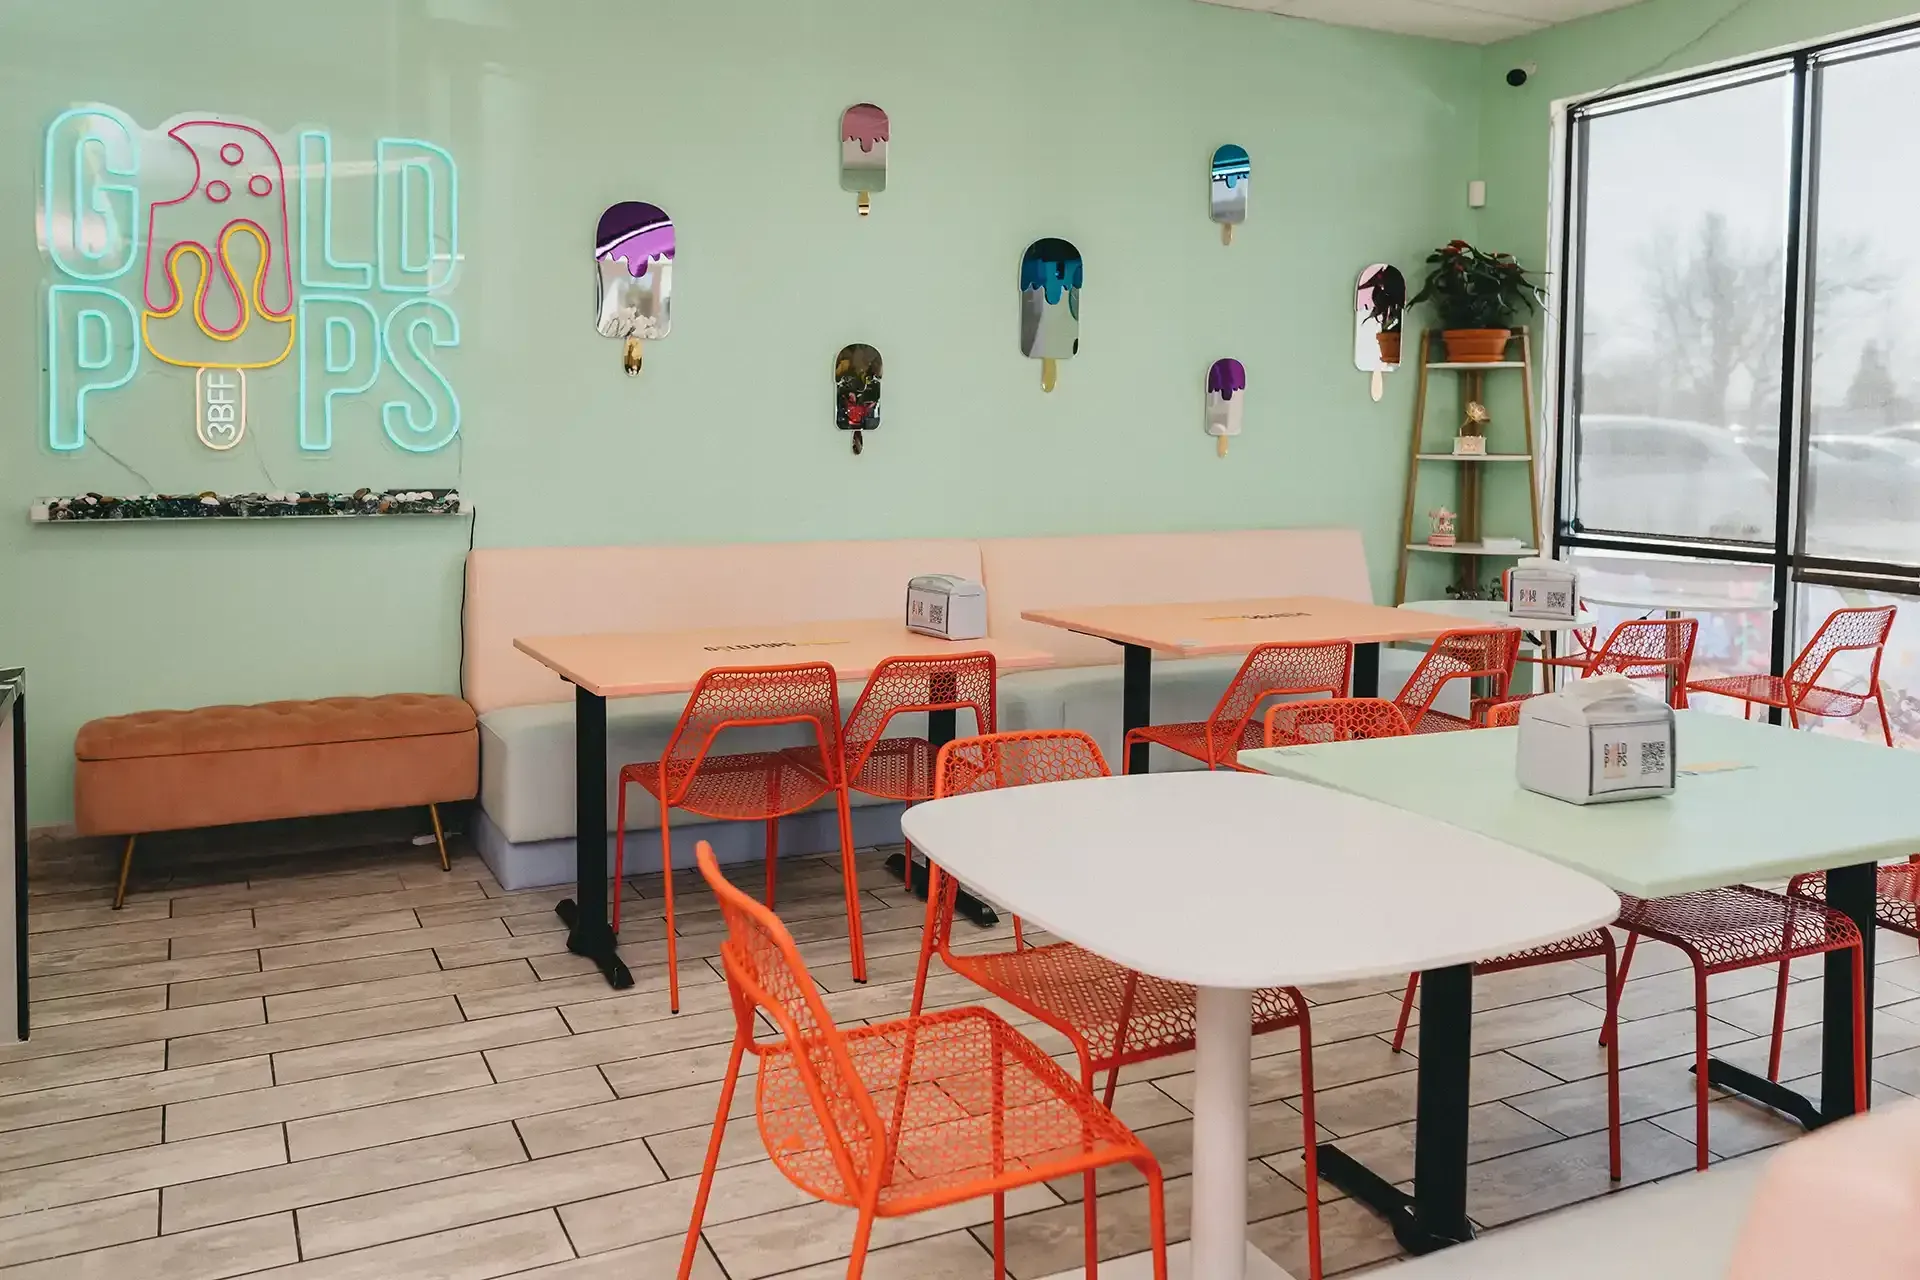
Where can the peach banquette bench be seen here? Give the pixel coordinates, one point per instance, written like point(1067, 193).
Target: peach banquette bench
point(525, 829)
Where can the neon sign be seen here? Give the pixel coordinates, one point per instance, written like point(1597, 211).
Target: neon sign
point(237, 279)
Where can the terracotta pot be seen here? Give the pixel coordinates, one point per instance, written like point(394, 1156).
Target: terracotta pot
point(1389, 346)
point(1475, 346)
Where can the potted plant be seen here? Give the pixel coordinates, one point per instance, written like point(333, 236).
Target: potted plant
point(1386, 291)
point(1476, 295)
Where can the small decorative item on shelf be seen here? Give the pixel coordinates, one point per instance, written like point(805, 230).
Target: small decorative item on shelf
point(856, 391)
point(1500, 545)
point(633, 253)
point(1232, 177)
point(1442, 535)
point(251, 506)
point(863, 152)
point(1226, 397)
point(1051, 274)
point(1477, 294)
point(1379, 311)
point(1471, 442)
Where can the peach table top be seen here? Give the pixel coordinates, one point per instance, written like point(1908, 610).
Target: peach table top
point(628, 664)
point(1235, 626)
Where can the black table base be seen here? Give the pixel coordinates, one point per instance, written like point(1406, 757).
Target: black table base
point(941, 728)
point(1435, 1215)
point(585, 914)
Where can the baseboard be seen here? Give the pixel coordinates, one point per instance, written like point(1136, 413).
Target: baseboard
point(539, 864)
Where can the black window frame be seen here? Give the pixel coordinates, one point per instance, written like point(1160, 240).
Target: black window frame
point(1787, 555)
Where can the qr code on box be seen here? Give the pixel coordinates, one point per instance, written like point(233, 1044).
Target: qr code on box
point(1653, 759)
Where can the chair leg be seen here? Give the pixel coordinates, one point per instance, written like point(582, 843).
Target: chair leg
point(1090, 1222)
point(1156, 1220)
point(439, 836)
point(850, 877)
point(906, 872)
point(713, 1158)
point(1406, 1011)
point(999, 1235)
point(1700, 1092)
point(1611, 1034)
point(620, 850)
point(862, 1235)
point(1779, 1021)
point(773, 856)
point(673, 950)
point(928, 940)
point(1310, 1154)
point(126, 865)
point(1610, 1025)
point(1880, 701)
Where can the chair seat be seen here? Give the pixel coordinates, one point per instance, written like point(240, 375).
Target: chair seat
point(898, 769)
point(1737, 926)
point(1085, 994)
point(1440, 722)
point(1772, 691)
point(753, 784)
point(972, 1082)
point(1896, 895)
point(1594, 942)
point(1189, 738)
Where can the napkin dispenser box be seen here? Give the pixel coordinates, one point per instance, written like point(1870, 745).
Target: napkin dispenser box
point(1595, 742)
point(948, 606)
point(1543, 589)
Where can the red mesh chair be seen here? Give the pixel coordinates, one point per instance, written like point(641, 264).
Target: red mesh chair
point(1504, 715)
point(1296, 724)
point(1270, 671)
point(1738, 927)
point(1458, 655)
point(900, 1117)
point(1800, 692)
point(763, 785)
point(1112, 1015)
point(1896, 907)
point(1641, 649)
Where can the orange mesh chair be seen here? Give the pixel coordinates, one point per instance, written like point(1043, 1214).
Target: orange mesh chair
point(1896, 907)
point(906, 1116)
point(1504, 715)
point(1458, 655)
point(1296, 724)
point(1800, 692)
point(1112, 1015)
point(1738, 927)
point(1641, 649)
point(763, 785)
point(1270, 671)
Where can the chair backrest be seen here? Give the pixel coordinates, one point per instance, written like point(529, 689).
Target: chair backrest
point(1644, 648)
point(1503, 715)
point(1272, 671)
point(902, 685)
point(765, 973)
point(1292, 724)
point(1844, 630)
point(1459, 655)
point(732, 697)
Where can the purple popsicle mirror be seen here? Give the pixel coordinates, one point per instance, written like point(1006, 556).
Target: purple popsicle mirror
point(633, 265)
point(1226, 399)
point(864, 131)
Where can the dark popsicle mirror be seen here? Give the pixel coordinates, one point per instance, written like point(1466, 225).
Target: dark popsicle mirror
point(856, 391)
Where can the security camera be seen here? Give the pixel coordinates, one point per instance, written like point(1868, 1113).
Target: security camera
point(1519, 75)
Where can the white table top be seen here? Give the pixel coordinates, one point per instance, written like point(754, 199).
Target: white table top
point(1796, 801)
point(1495, 611)
point(1670, 599)
point(1231, 880)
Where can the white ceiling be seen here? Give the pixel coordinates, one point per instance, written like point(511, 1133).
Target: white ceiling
point(1469, 21)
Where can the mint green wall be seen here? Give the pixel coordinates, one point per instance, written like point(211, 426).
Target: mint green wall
point(1013, 119)
point(1643, 41)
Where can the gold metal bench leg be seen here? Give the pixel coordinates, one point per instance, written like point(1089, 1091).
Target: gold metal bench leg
point(126, 865)
point(439, 837)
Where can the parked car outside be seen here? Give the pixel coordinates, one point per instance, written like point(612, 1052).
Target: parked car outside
point(1669, 476)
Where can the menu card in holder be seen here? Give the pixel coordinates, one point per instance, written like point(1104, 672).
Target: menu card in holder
point(1597, 741)
point(1544, 589)
point(946, 605)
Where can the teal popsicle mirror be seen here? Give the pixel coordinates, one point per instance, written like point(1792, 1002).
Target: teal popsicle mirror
point(1050, 279)
point(1232, 177)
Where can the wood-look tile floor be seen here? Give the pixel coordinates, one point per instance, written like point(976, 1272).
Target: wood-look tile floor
point(353, 1066)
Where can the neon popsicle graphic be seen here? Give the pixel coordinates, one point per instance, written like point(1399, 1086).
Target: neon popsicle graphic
point(1226, 398)
point(1051, 274)
point(1227, 193)
point(864, 132)
point(633, 257)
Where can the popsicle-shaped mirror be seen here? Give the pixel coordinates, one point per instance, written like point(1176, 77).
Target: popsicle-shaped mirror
point(633, 264)
point(1050, 279)
point(1232, 175)
point(863, 151)
point(856, 391)
point(1379, 309)
point(1226, 398)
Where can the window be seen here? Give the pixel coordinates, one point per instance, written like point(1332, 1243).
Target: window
point(1739, 359)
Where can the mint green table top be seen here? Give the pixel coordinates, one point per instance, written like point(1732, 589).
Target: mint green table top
point(1779, 801)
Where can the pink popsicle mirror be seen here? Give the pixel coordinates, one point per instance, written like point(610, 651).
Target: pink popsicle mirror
point(864, 131)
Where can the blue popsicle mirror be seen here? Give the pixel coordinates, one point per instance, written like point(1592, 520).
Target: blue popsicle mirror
point(1227, 192)
point(1050, 278)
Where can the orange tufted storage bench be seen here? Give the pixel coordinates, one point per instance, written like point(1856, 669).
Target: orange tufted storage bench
point(173, 770)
